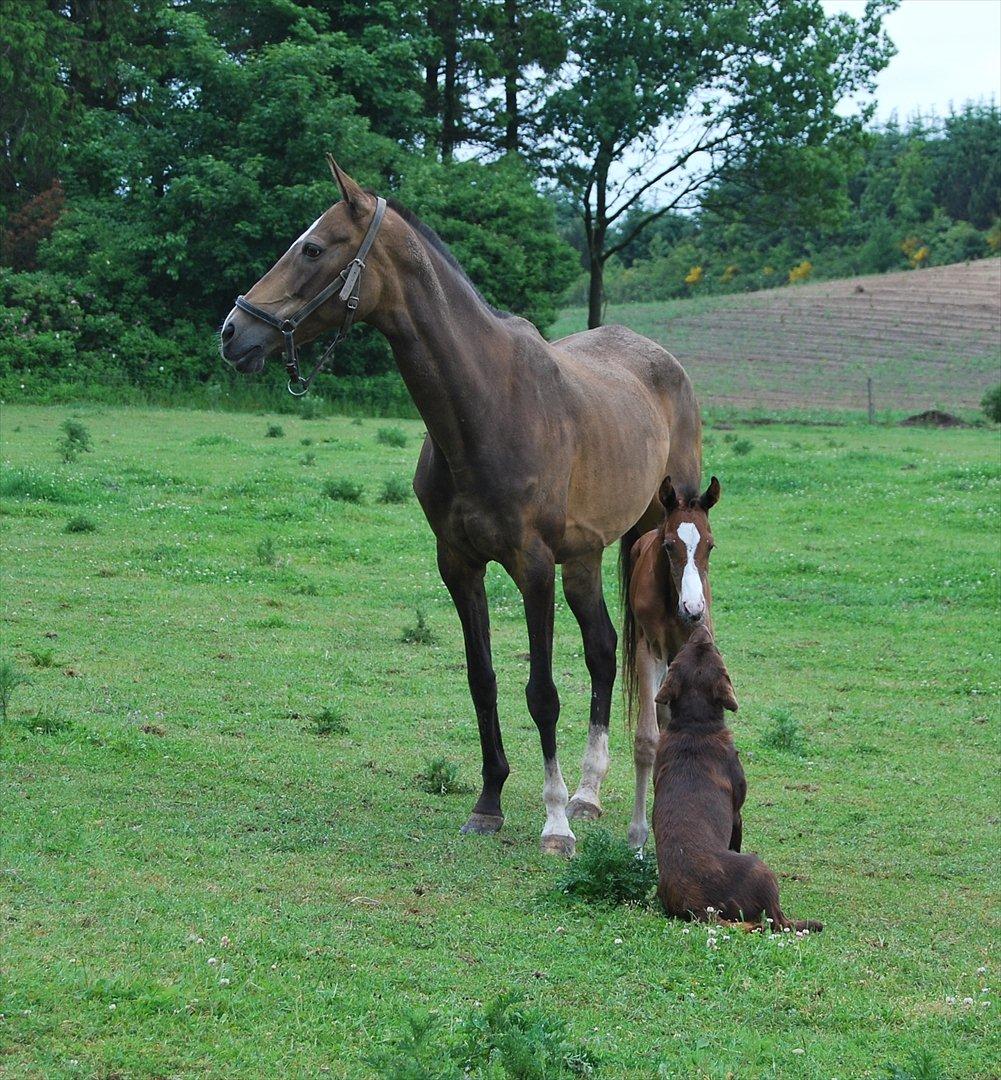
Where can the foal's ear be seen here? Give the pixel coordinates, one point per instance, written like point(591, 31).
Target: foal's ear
point(710, 497)
point(724, 694)
point(350, 190)
point(667, 495)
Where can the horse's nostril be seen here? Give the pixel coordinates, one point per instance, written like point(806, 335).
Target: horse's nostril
point(228, 331)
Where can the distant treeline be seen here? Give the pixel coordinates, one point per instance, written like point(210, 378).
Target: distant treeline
point(158, 155)
point(926, 193)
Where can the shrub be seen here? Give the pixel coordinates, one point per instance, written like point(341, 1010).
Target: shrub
point(391, 436)
point(800, 272)
point(80, 524)
point(275, 431)
point(784, 733)
point(608, 871)
point(441, 777)
point(421, 634)
point(74, 442)
point(328, 721)
point(306, 442)
point(343, 490)
point(395, 490)
point(266, 552)
point(742, 446)
point(991, 404)
point(10, 679)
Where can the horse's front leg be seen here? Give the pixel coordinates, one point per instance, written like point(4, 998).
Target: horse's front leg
point(649, 675)
point(534, 572)
point(464, 581)
point(582, 588)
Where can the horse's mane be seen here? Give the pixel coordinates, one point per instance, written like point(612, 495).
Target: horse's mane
point(439, 245)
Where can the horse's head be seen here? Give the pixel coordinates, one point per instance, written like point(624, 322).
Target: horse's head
point(687, 541)
point(313, 262)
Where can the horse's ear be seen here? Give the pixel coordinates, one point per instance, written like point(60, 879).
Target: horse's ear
point(667, 495)
point(351, 192)
point(724, 694)
point(710, 497)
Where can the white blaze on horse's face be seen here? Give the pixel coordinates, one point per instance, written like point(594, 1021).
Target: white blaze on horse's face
point(692, 599)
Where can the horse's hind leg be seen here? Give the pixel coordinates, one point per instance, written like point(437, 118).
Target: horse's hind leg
point(582, 588)
point(464, 582)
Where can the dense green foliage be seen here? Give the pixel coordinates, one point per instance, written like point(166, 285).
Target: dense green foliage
point(218, 859)
point(926, 193)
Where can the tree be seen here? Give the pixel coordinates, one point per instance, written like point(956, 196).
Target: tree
point(661, 98)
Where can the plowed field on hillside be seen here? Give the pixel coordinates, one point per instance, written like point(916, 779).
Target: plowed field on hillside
point(928, 338)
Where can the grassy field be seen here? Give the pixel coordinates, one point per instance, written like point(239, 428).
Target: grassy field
point(217, 857)
point(927, 339)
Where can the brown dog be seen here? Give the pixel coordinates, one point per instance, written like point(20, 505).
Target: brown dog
point(699, 788)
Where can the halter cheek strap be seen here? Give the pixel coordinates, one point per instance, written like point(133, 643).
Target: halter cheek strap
point(347, 285)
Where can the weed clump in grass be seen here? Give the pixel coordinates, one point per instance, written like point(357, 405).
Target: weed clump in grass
point(48, 722)
point(395, 490)
point(27, 484)
point(42, 658)
point(309, 458)
point(421, 634)
point(504, 1040)
point(74, 442)
point(784, 733)
point(343, 490)
point(80, 524)
point(328, 721)
point(391, 436)
point(311, 407)
point(266, 552)
point(10, 679)
point(922, 1066)
point(742, 446)
point(441, 777)
point(608, 871)
point(275, 431)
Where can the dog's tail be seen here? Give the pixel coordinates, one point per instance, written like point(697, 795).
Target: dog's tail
point(629, 680)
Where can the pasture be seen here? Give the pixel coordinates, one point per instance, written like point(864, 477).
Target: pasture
point(928, 339)
point(218, 857)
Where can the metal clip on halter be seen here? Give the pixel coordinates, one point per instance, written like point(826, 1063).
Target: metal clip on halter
point(349, 292)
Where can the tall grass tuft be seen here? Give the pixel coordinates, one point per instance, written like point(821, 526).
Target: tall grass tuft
point(441, 777)
point(607, 871)
point(80, 523)
point(784, 733)
point(342, 489)
point(10, 679)
point(395, 490)
point(328, 721)
point(421, 633)
point(275, 431)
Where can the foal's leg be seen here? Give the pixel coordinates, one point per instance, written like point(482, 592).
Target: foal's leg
point(534, 572)
point(649, 676)
point(464, 580)
point(582, 588)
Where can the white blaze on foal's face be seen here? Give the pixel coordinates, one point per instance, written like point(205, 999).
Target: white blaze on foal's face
point(692, 600)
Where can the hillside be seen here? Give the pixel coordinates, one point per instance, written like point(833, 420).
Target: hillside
point(928, 338)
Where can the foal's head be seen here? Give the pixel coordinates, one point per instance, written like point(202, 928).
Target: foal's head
point(313, 261)
point(687, 540)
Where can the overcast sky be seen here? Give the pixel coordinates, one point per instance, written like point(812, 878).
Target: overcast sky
point(948, 51)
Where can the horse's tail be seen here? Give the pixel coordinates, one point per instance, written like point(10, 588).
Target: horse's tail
point(629, 680)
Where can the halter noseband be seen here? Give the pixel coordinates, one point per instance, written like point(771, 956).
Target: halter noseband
point(349, 293)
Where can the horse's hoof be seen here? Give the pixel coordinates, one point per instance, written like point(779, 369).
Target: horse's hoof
point(483, 824)
point(637, 838)
point(582, 810)
point(559, 845)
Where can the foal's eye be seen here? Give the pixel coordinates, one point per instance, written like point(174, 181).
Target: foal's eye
point(311, 251)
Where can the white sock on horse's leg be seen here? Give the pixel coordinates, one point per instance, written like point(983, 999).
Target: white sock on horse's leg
point(557, 836)
point(649, 674)
point(586, 802)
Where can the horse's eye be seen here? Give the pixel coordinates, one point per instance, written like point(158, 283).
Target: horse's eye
point(312, 251)
point(669, 545)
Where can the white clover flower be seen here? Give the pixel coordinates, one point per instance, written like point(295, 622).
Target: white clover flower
point(213, 960)
point(982, 970)
point(618, 941)
point(224, 941)
point(224, 982)
point(950, 1000)
point(967, 1001)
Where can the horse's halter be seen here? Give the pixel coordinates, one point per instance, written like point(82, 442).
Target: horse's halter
point(349, 293)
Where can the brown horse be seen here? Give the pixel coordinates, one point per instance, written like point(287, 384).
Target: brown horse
point(668, 598)
point(537, 454)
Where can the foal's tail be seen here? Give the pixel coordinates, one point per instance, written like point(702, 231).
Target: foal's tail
point(629, 680)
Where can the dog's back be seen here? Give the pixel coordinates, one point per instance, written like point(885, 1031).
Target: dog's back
point(699, 788)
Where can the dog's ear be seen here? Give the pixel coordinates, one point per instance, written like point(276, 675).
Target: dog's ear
point(723, 693)
point(667, 495)
point(670, 689)
point(710, 497)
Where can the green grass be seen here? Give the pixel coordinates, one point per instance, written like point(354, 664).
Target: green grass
point(196, 883)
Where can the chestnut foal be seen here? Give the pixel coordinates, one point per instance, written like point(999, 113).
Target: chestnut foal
point(668, 598)
point(699, 789)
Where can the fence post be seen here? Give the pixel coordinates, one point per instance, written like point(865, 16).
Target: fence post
point(872, 408)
